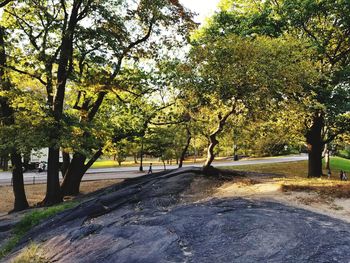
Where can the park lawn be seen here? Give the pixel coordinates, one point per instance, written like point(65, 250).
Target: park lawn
point(339, 163)
point(294, 169)
point(294, 177)
point(130, 163)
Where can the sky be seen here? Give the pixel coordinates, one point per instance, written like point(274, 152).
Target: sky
point(204, 8)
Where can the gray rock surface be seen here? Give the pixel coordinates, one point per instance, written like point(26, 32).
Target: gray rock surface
point(162, 218)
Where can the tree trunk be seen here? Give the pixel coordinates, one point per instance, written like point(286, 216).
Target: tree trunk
point(7, 115)
point(76, 171)
point(71, 181)
point(315, 146)
point(66, 162)
point(184, 151)
point(212, 138)
point(211, 155)
point(327, 160)
point(53, 194)
point(141, 157)
point(21, 202)
point(5, 166)
point(53, 191)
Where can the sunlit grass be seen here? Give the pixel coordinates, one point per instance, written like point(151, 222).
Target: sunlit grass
point(294, 169)
point(31, 254)
point(333, 188)
point(30, 220)
point(339, 163)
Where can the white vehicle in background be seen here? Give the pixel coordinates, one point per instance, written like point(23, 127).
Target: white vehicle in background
point(38, 160)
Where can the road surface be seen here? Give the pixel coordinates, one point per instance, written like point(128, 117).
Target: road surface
point(94, 174)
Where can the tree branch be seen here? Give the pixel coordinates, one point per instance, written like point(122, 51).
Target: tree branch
point(28, 74)
point(96, 105)
point(5, 2)
point(131, 46)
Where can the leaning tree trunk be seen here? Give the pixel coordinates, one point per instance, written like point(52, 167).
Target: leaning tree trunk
point(21, 202)
point(315, 146)
point(184, 151)
point(212, 138)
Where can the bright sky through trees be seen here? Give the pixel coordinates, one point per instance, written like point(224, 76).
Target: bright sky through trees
point(204, 8)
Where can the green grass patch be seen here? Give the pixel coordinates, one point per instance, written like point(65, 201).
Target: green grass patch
point(339, 163)
point(30, 220)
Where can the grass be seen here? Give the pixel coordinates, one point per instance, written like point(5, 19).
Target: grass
point(31, 254)
point(294, 169)
point(30, 220)
point(339, 163)
point(102, 163)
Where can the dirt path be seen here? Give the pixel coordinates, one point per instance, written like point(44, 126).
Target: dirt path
point(271, 189)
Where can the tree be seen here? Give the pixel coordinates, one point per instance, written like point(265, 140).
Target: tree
point(7, 119)
point(49, 28)
point(324, 25)
point(84, 44)
point(148, 17)
point(231, 74)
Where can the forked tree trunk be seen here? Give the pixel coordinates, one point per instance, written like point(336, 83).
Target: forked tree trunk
point(76, 171)
point(315, 146)
point(212, 138)
point(21, 202)
point(71, 181)
point(184, 151)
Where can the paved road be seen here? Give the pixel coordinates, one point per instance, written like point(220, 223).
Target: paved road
point(132, 172)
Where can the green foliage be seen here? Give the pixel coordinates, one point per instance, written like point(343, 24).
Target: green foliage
point(323, 25)
point(29, 221)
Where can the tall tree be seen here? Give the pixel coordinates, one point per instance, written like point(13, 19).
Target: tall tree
point(231, 74)
point(324, 25)
point(7, 119)
point(147, 17)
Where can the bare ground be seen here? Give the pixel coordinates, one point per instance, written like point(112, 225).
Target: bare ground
point(327, 197)
point(36, 193)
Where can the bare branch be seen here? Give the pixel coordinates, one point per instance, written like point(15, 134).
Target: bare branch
point(5, 2)
point(30, 35)
point(35, 76)
point(131, 46)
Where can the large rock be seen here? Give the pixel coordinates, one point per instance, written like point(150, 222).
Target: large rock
point(162, 218)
